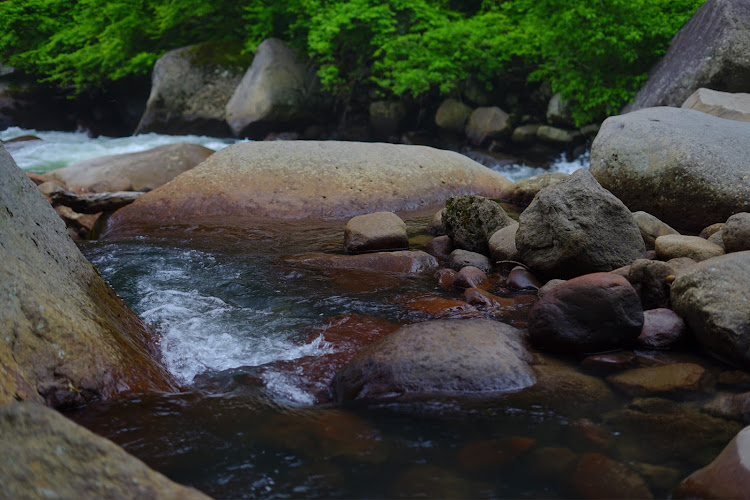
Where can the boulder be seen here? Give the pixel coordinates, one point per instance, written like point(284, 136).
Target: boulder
point(502, 243)
point(728, 476)
point(487, 123)
point(451, 356)
point(687, 168)
point(662, 328)
point(440, 247)
point(677, 378)
point(67, 338)
point(577, 227)
point(45, 455)
point(190, 88)
point(375, 231)
point(735, 234)
point(525, 134)
point(470, 220)
point(722, 104)
point(649, 278)
point(471, 277)
point(458, 259)
point(556, 135)
point(522, 192)
point(452, 115)
point(674, 246)
point(142, 171)
point(590, 313)
point(711, 50)
point(559, 112)
point(298, 179)
point(278, 91)
point(713, 300)
point(651, 227)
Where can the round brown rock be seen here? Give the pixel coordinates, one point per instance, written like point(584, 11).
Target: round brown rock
point(471, 277)
point(376, 231)
point(673, 246)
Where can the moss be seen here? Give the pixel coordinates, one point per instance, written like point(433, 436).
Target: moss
point(227, 53)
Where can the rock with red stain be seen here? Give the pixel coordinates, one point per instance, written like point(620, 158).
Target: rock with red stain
point(441, 308)
point(662, 328)
point(440, 247)
point(471, 277)
point(598, 476)
point(445, 278)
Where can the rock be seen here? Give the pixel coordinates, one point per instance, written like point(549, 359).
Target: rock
point(673, 246)
point(722, 104)
point(375, 231)
point(278, 91)
point(470, 220)
point(440, 247)
point(190, 88)
point(312, 179)
point(67, 338)
point(662, 328)
point(681, 264)
point(520, 278)
point(48, 456)
point(709, 231)
point(736, 232)
point(471, 277)
point(445, 278)
point(559, 112)
point(735, 378)
point(651, 227)
point(491, 455)
point(547, 287)
point(556, 135)
point(728, 476)
point(430, 481)
point(441, 308)
point(92, 203)
point(717, 239)
point(452, 115)
point(553, 464)
point(589, 131)
point(610, 362)
point(502, 243)
point(465, 356)
point(685, 167)
point(711, 50)
point(525, 134)
point(678, 378)
point(458, 259)
point(436, 227)
point(401, 262)
point(386, 117)
point(591, 313)
point(649, 278)
point(132, 171)
point(486, 124)
point(730, 406)
point(511, 310)
point(522, 192)
point(598, 476)
point(577, 227)
point(712, 298)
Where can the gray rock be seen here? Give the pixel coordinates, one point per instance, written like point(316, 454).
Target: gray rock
point(651, 227)
point(649, 279)
point(709, 231)
point(736, 233)
point(712, 298)
point(673, 246)
point(458, 259)
point(711, 50)
point(685, 167)
point(522, 192)
point(464, 356)
point(525, 134)
point(502, 243)
point(436, 227)
point(548, 287)
point(376, 231)
point(470, 220)
point(487, 123)
point(452, 115)
point(45, 455)
point(577, 227)
point(722, 104)
point(556, 135)
point(717, 239)
point(559, 112)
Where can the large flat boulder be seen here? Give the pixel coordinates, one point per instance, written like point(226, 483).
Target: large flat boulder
point(732, 106)
point(712, 50)
point(132, 171)
point(45, 455)
point(66, 337)
point(298, 179)
point(687, 168)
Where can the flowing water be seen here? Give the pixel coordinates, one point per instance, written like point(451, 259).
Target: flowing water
point(244, 330)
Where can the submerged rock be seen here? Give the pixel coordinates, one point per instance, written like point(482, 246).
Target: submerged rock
point(401, 262)
point(598, 476)
point(677, 378)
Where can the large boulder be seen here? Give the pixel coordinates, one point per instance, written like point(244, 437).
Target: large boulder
point(66, 337)
point(721, 104)
point(736, 232)
point(470, 220)
point(312, 179)
point(685, 167)
point(712, 50)
point(190, 88)
point(132, 171)
point(487, 123)
point(45, 455)
point(278, 91)
point(452, 115)
point(451, 356)
point(712, 297)
point(576, 227)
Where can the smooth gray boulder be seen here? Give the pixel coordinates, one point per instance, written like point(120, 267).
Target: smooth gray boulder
point(712, 50)
point(577, 227)
point(452, 115)
point(502, 243)
point(470, 220)
point(45, 455)
point(735, 234)
point(687, 168)
point(731, 106)
point(487, 123)
point(712, 298)
point(651, 227)
point(374, 232)
point(458, 259)
point(190, 88)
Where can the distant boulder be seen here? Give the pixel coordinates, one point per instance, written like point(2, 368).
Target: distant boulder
point(722, 104)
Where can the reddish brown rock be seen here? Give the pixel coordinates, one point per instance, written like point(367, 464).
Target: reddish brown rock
point(662, 328)
point(440, 247)
point(403, 262)
point(610, 362)
point(471, 277)
point(587, 435)
point(678, 378)
point(445, 278)
point(521, 278)
point(597, 476)
point(512, 310)
point(441, 308)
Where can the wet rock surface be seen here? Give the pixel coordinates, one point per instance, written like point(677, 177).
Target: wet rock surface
point(375, 231)
point(470, 221)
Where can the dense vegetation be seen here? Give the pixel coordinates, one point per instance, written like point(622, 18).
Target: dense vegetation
point(595, 52)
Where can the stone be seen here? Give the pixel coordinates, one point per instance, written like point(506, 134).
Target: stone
point(445, 278)
point(511, 310)
point(681, 265)
point(522, 192)
point(722, 104)
point(502, 243)
point(709, 231)
point(651, 227)
point(301, 179)
point(555, 135)
point(520, 278)
point(649, 279)
point(712, 298)
point(470, 220)
point(399, 262)
point(471, 277)
point(458, 259)
point(487, 123)
point(190, 88)
point(730, 406)
point(717, 239)
point(440, 308)
point(440, 247)
point(710, 50)
point(452, 115)
point(662, 328)
point(451, 356)
point(548, 287)
point(673, 246)
point(610, 362)
point(374, 232)
point(278, 91)
point(436, 227)
point(559, 112)
point(592, 313)
point(142, 171)
point(525, 134)
point(687, 168)
point(92, 203)
point(736, 232)
point(598, 476)
point(67, 339)
point(386, 117)
point(728, 476)
point(45, 455)
point(677, 378)
point(577, 227)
